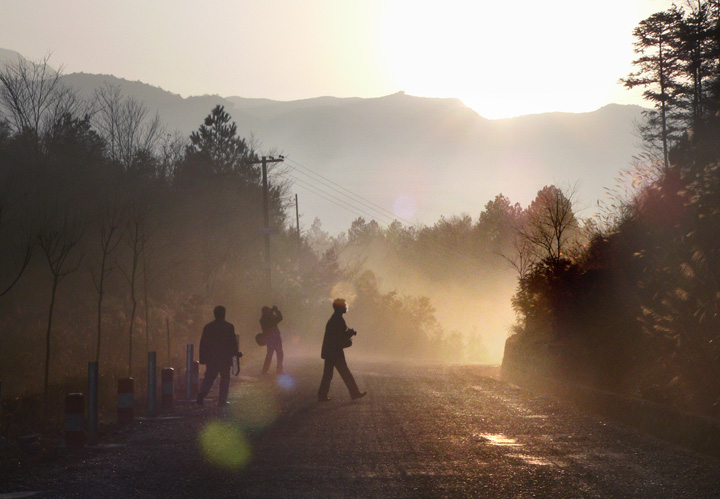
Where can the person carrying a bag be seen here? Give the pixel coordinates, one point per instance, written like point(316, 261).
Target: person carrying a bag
point(269, 320)
point(337, 337)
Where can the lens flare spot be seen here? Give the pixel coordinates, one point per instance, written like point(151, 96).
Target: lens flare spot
point(286, 382)
point(225, 446)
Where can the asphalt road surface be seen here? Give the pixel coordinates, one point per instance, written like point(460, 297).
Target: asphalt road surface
point(422, 431)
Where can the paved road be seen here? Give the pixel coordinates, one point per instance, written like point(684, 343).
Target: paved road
point(422, 431)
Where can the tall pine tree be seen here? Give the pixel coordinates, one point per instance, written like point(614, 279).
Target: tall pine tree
point(659, 73)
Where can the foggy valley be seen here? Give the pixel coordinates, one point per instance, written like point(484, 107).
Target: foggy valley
point(533, 283)
point(419, 159)
point(436, 154)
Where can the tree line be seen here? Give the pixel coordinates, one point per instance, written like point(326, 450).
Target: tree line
point(112, 229)
point(634, 309)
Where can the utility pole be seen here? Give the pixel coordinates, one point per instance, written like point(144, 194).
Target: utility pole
point(266, 215)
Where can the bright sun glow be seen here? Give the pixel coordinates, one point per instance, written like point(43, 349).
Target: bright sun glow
point(505, 59)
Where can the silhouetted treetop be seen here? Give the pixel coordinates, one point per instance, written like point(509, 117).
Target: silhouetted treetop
point(216, 148)
point(657, 44)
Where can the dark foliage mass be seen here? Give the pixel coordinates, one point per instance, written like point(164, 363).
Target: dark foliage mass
point(116, 238)
point(636, 309)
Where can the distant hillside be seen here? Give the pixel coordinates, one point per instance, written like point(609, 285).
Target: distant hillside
point(9, 56)
point(435, 156)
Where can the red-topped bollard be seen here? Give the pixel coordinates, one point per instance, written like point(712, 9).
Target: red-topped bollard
point(74, 420)
point(166, 377)
point(126, 401)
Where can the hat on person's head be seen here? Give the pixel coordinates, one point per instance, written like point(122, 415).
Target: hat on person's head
point(339, 303)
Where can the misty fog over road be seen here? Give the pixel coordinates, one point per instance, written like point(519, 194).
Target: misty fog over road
point(422, 431)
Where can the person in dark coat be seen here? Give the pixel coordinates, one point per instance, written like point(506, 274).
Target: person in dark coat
point(218, 346)
point(337, 337)
point(269, 323)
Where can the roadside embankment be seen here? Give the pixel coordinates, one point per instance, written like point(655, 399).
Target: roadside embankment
point(693, 431)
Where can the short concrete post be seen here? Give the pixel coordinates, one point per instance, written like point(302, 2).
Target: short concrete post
point(152, 399)
point(188, 373)
point(74, 420)
point(167, 375)
point(93, 401)
point(126, 401)
point(195, 378)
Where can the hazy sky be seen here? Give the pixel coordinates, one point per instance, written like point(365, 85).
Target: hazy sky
point(500, 58)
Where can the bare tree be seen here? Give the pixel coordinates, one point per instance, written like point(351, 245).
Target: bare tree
point(58, 241)
point(150, 270)
point(521, 256)
point(109, 237)
point(171, 152)
point(125, 125)
point(146, 286)
point(133, 238)
point(34, 98)
point(17, 248)
point(550, 226)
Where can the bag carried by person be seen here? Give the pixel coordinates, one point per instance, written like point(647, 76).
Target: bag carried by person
point(261, 339)
point(236, 364)
point(347, 340)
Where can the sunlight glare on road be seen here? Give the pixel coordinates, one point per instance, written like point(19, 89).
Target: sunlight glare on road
point(499, 439)
point(224, 445)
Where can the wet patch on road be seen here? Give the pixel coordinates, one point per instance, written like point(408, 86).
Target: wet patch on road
point(530, 459)
point(496, 439)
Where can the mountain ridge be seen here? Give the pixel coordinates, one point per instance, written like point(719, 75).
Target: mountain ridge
point(420, 157)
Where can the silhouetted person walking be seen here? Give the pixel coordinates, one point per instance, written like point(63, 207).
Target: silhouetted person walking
point(337, 337)
point(218, 345)
point(269, 323)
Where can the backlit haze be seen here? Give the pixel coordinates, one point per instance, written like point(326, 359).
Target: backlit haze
point(500, 59)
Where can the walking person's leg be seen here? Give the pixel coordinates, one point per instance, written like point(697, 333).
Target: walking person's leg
point(268, 358)
point(279, 357)
point(211, 372)
point(347, 377)
point(224, 385)
point(326, 379)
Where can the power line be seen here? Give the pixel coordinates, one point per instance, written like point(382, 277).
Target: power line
point(363, 201)
point(358, 211)
point(383, 212)
point(442, 247)
point(344, 202)
point(327, 196)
